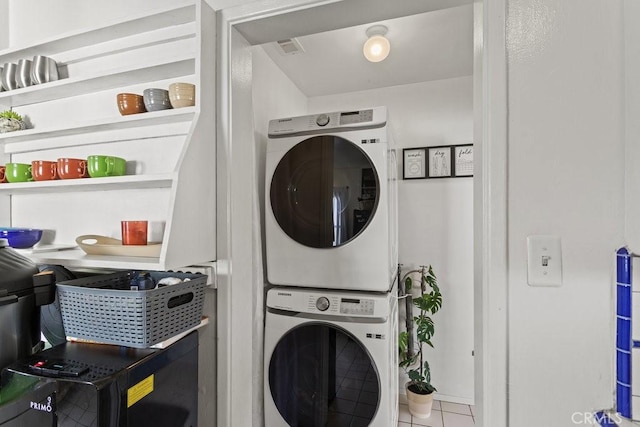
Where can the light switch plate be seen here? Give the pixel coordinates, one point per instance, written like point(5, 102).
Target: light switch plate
point(544, 261)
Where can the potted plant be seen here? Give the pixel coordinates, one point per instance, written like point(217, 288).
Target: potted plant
point(419, 388)
point(11, 121)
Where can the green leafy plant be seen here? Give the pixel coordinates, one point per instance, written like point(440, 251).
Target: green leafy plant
point(9, 114)
point(428, 303)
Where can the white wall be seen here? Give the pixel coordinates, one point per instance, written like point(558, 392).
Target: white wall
point(565, 166)
point(435, 220)
point(632, 124)
point(63, 16)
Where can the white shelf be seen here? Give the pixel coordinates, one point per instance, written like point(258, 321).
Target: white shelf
point(69, 87)
point(109, 123)
point(161, 18)
point(77, 258)
point(89, 184)
point(29, 139)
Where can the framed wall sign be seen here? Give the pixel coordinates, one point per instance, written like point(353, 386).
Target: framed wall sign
point(446, 161)
point(463, 160)
point(440, 165)
point(414, 163)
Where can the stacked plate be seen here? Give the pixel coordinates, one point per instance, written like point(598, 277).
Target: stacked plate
point(156, 99)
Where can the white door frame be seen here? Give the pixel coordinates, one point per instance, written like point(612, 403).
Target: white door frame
point(237, 279)
point(490, 214)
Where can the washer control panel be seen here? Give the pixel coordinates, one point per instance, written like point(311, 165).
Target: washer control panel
point(327, 302)
point(349, 306)
point(343, 305)
point(357, 306)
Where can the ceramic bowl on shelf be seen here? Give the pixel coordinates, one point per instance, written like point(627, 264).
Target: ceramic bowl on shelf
point(182, 95)
point(156, 99)
point(21, 238)
point(130, 103)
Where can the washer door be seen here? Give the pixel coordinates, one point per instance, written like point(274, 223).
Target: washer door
point(320, 375)
point(324, 191)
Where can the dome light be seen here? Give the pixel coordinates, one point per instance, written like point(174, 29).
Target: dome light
point(377, 47)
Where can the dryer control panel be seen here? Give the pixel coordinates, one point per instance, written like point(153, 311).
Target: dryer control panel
point(321, 123)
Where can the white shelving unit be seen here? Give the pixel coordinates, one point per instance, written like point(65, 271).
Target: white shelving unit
point(12, 140)
point(109, 183)
point(170, 176)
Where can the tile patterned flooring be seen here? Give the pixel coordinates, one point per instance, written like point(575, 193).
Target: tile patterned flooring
point(443, 414)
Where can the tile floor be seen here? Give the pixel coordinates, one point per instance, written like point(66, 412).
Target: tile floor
point(443, 414)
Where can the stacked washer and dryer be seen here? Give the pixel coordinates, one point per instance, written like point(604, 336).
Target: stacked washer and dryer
point(331, 249)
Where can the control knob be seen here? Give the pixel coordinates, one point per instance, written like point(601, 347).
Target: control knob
point(322, 120)
point(322, 303)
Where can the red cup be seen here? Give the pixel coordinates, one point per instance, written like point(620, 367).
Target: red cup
point(43, 170)
point(134, 232)
point(3, 178)
point(72, 168)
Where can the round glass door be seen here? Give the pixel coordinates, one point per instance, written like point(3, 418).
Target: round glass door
point(324, 192)
point(320, 375)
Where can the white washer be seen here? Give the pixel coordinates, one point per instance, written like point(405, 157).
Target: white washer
point(331, 201)
point(331, 358)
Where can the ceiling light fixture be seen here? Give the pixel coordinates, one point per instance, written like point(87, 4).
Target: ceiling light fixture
point(377, 47)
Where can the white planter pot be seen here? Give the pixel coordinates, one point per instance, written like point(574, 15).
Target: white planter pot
point(419, 404)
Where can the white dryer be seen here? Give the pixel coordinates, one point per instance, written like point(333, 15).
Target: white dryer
point(331, 358)
point(331, 201)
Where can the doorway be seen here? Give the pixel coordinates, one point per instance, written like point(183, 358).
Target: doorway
point(236, 122)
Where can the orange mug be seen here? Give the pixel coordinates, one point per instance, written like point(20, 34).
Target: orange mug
point(134, 232)
point(43, 170)
point(3, 178)
point(72, 168)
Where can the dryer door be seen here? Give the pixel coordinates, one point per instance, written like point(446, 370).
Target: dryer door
point(320, 375)
point(324, 191)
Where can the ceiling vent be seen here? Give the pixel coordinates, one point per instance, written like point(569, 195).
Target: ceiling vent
point(290, 47)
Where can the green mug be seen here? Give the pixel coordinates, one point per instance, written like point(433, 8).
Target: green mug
point(18, 172)
point(101, 166)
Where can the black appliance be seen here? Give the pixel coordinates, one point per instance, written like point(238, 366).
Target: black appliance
point(80, 384)
point(22, 292)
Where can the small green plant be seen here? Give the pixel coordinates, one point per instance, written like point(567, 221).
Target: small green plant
point(9, 114)
point(428, 303)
